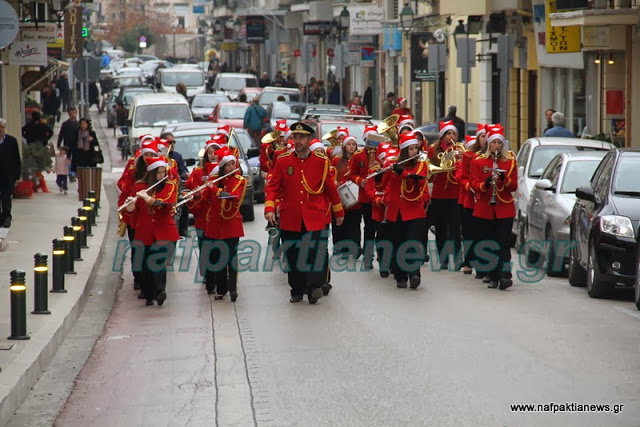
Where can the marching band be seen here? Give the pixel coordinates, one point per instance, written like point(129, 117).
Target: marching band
point(390, 178)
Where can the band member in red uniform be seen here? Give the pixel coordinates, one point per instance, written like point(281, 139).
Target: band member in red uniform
point(444, 213)
point(495, 207)
point(222, 201)
point(361, 167)
point(475, 146)
point(375, 190)
point(402, 107)
point(155, 228)
point(405, 124)
point(346, 238)
point(301, 178)
point(405, 197)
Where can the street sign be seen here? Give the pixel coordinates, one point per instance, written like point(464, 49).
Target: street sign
point(45, 32)
point(87, 63)
point(9, 24)
point(73, 32)
point(466, 57)
point(437, 57)
point(143, 39)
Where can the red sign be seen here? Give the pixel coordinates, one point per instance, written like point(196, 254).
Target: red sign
point(330, 52)
point(297, 52)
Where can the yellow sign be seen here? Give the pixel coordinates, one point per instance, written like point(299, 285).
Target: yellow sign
point(561, 39)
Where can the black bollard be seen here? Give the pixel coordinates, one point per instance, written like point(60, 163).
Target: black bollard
point(84, 220)
point(91, 214)
point(76, 223)
point(96, 203)
point(77, 234)
point(59, 263)
point(40, 284)
point(18, 290)
point(69, 250)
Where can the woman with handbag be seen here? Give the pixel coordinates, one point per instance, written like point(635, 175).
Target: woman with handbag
point(88, 153)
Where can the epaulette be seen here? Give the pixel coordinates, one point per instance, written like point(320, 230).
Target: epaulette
point(285, 154)
point(358, 151)
point(321, 155)
point(434, 144)
point(239, 176)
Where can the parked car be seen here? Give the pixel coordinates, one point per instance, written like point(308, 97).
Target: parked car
point(126, 94)
point(203, 104)
point(191, 142)
point(149, 68)
point(130, 71)
point(252, 153)
point(431, 131)
point(604, 225)
point(195, 80)
point(271, 94)
point(551, 202)
point(327, 110)
point(151, 112)
point(231, 113)
point(250, 92)
point(124, 81)
point(532, 159)
point(231, 84)
point(291, 111)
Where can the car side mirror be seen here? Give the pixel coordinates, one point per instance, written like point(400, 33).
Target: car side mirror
point(253, 152)
point(586, 193)
point(545, 184)
point(189, 162)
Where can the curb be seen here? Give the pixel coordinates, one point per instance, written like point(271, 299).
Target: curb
point(35, 356)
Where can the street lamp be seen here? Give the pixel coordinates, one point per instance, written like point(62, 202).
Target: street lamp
point(236, 27)
point(344, 19)
point(217, 26)
point(406, 19)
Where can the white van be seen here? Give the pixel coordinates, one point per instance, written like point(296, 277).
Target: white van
point(149, 113)
point(230, 84)
point(166, 80)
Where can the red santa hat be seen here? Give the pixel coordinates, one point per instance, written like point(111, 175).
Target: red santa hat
point(406, 120)
point(281, 125)
point(163, 146)
point(138, 153)
point(224, 130)
point(496, 132)
point(216, 141)
point(155, 163)
point(344, 131)
point(145, 137)
point(401, 101)
point(315, 144)
point(149, 146)
point(392, 153)
point(369, 130)
point(446, 126)
point(408, 139)
point(224, 156)
point(469, 141)
point(349, 138)
point(482, 128)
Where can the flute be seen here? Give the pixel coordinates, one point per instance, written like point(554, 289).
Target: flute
point(133, 200)
point(188, 196)
point(383, 170)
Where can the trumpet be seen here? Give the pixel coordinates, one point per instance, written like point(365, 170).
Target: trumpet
point(133, 199)
point(191, 194)
point(388, 128)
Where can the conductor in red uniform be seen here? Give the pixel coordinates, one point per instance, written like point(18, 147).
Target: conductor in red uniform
point(301, 180)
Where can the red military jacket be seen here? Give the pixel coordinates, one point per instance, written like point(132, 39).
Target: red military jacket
point(445, 185)
point(467, 194)
point(194, 181)
point(223, 218)
point(125, 185)
point(405, 195)
point(505, 206)
point(303, 186)
point(359, 168)
point(267, 157)
point(375, 192)
point(155, 223)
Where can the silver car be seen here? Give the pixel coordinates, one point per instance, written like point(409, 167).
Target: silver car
point(550, 205)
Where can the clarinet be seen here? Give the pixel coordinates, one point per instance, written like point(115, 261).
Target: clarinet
point(494, 180)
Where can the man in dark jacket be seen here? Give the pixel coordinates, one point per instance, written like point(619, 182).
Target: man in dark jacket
point(457, 122)
point(68, 137)
point(35, 131)
point(10, 168)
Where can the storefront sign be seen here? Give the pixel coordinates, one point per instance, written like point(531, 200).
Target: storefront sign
point(561, 39)
point(255, 29)
point(316, 28)
point(45, 32)
point(366, 56)
point(73, 32)
point(365, 20)
point(32, 53)
point(562, 59)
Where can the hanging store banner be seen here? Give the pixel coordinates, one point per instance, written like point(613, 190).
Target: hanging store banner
point(365, 20)
point(561, 59)
point(255, 29)
point(561, 39)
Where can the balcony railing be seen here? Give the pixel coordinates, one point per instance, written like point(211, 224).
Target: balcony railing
point(567, 5)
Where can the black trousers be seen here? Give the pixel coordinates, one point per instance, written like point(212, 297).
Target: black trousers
point(470, 229)
point(6, 192)
point(370, 227)
point(348, 231)
point(406, 263)
point(137, 272)
point(306, 272)
point(446, 219)
point(381, 236)
point(154, 268)
point(201, 261)
point(221, 273)
point(498, 231)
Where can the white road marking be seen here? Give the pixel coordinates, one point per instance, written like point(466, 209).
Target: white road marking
point(633, 313)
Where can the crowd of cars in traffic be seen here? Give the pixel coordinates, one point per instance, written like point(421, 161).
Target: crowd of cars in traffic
point(577, 203)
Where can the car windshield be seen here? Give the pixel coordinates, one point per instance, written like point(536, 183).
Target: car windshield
point(236, 83)
point(542, 156)
point(233, 111)
point(245, 141)
point(161, 115)
point(286, 111)
point(150, 66)
point(208, 101)
point(270, 97)
point(190, 146)
point(355, 129)
point(626, 180)
point(577, 174)
point(189, 79)
point(127, 81)
point(128, 95)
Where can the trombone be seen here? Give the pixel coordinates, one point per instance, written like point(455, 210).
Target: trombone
point(133, 199)
point(191, 194)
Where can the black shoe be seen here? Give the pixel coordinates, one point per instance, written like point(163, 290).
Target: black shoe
point(295, 298)
point(505, 283)
point(149, 302)
point(218, 297)
point(486, 279)
point(7, 223)
point(233, 295)
point(162, 295)
point(316, 293)
point(326, 288)
point(401, 284)
point(141, 295)
point(480, 275)
point(384, 274)
point(492, 284)
point(414, 282)
point(136, 286)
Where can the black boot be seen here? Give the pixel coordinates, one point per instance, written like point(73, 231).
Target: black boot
point(402, 284)
point(493, 284)
point(326, 288)
point(414, 282)
point(505, 283)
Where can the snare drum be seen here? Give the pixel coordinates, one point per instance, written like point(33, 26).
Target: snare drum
point(348, 194)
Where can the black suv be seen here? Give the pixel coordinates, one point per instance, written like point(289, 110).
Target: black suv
point(604, 225)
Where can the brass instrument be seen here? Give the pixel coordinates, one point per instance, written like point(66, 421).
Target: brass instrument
point(133, 199)
point(187, 197)
point(434, 170)
point(388, 128)
point(449, 157)
point(495, 171)
point(271, 137)
point(332, 137)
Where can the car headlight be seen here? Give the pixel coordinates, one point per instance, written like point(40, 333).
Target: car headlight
point(617, 225)
point(255, 170)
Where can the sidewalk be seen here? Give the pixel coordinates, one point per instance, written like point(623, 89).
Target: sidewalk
point(36, 222)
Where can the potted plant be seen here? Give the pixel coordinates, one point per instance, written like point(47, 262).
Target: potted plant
point(35, 161)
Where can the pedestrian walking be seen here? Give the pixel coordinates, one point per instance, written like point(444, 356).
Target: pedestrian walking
point(300, 179)
point(61, 168)
point(68, 137)
point(10, 170)
point(388, 105)
point(254, 120)
point(88, 146)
